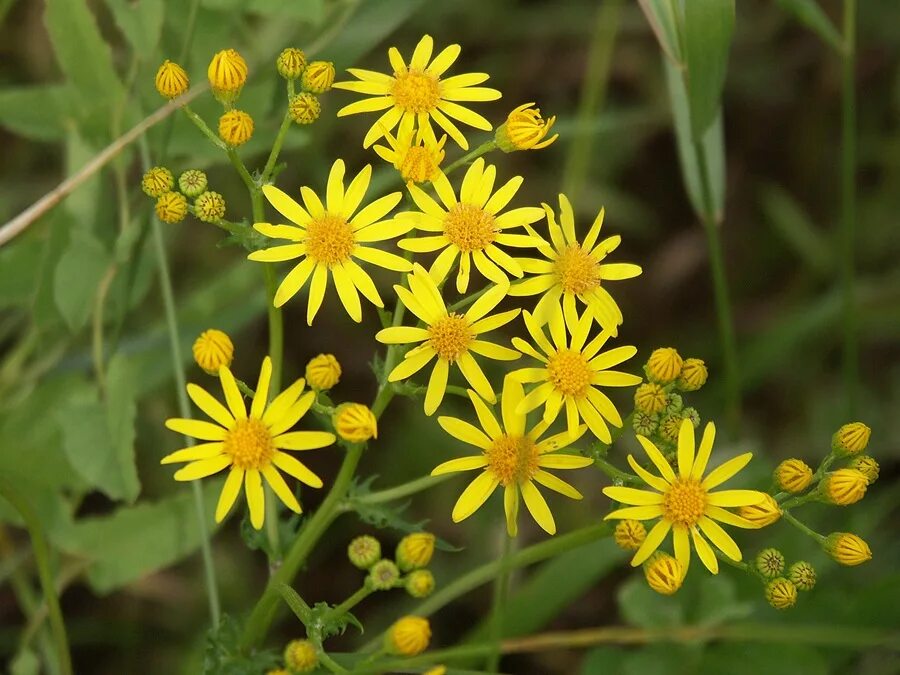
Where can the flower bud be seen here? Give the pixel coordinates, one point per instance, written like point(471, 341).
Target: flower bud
point(318, 77)
point(212, 350)
point(769, 562)
point(844, 486)
point(644, 424)
point(210, 207)
point(692, 415)
point(364, 552)
point(793, 475)
point(802, 575)
point(524, 129)
point(290, 63)
point(629, 534)
point(157, 182)
point(669, 427)
point(664, 574)
point(354, 422)
point(304, 108)
point(300, 656)
point(171, 207)
point(235, 127)
point(693, 375)
point(415, 550)
point(847, 549)
point(323, 372)
point(851, 439)
point(192, 183)
point(383, 575)
point(227, 74)
point(420, 583)
point(781, 593)
point(171, 80)
point(674, 404)
point(764, 513)
point(867, 466)
point(278, 671)
point(408, 636)
point(650, 398)
point(664, 365)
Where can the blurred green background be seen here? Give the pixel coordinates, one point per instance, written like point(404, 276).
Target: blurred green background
point(133, 597)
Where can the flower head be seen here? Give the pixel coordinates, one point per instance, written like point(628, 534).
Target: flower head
point(793, 475)
point(629, 534)
point(192, 183)
point(472, 226)
point(670, 427)
point(250, 444)
point(525, 129)
point(644, 424)
point(408, 636)
point(574, 270)
point(420, 583)
point(157, 182)
point(300, 656)
point(383, 575)
point(867, 466)
point(851, 439)
point(664, 365)
point(318, 77)
point(847, 548)
point(290, 63)
point(327, 237)
point(213, 349)
point(235, 127)
point(415, 550)
point(323, 372)
point(650, 398)
point(171, 80)
point(685, 503)
point(664, 573)
point(571, 372)
point(171, 207)
point(802, 575)
point(364, 552)
point(416, 92)
point(304, 108)
point(210, 207)
point(418, 161)
point(355, 422)
point(693, 375)
point(511, 457)
point(448, 338)
point(227, 73)
point(781, 593)
point(764, 513)
point(844, 486)
point(769, 562)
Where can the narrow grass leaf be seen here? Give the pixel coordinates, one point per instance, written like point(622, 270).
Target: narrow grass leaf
point(708, 26)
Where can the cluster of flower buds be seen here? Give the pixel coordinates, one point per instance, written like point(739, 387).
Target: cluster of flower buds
point(314, 78)
point(406, 570)
point(781, 586)
point(190, 195)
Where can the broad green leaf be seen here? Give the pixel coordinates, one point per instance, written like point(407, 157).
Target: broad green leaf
point(77, 276)
point(46, 315)
point(140, 23)
point(793, 224)
point(19, 260)
point(811, 15)
point(641, 606)
point(699, 185)
point(662, 19)
point(708, 25)
point(39, 113)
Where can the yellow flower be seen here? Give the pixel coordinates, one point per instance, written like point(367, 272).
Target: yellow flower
point(304, 108)
point(157, 182)
point(327, 238)
point(867, 466)
point(250, 444)
point(847, 549)
point(212, 350)
point(781, 593)
point(290, 63)
point(235, 127)
point(415, 550)
point(408, 636)
point(437, 670)
point(572, 372)
point(277, 671)
point(417, 92)
point(171, 80)
point(762, 514)
point(664, 574)
point(210, 207)
point(525, 129)
point(323, 372)
point(300, 656)
point(693, 375)
point(472, 226)
point(793, 475)
point(650, 398)
point(452, 338)
point(851, 439)
point(512, 458)
point(355, 422)
point(417, 161)
point(629, 534)
point(318, 77)
point(574, 269)
point(171, 207)
point(844, 486)
point(685, 503)
point(420, 583)
point(664, 365)
point(227, 73)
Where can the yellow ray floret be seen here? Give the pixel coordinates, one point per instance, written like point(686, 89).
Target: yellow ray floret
point(511, 457)
point(415, 93)
point(574, 269)
point(471, 227)
point(572, 370)
point(417, 161)
point(327, 237)
point(685, 503)
point(249, 444)
point(448, 337)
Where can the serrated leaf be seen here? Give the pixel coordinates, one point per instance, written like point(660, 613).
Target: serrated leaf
point(140, 22)
point(40, 113)
point(811, 15)
point(77, 276)
point(708, 26)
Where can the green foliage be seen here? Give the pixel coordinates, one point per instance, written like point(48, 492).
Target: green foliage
point(40, 113)
point(809, 13)
point(708, 25)
point(221, 655)
point(78, 273)
point(140, 22)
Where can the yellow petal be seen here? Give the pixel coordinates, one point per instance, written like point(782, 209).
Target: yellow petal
point(229, 493)
point(665, 469)
point(682, 546)
point(281, 489)
point(537, 506)
point(261, 397)
point(411, 365)
point(511, 508)
point(294, 281)
point(201, 451)
point(556, 484)
point(316, 292)
point(636, 513)
point(735, 498)
point(256, 498)
point(474, 496)
point(632, 496)
point(233, 395)
point(685, 448)
point(437, 386)
point(304, 440)
point(485, 416)
point(475, 376)
point(460, 464)
point(205, 431)
point(703, 453)
point(720, 538)
point(203, 468)
point(286, 206)
point(726, 470)
point(210, 406)
point(705, 552)
point(655, 482)
point(296, 468)
point(654, 538)
point(465, 432)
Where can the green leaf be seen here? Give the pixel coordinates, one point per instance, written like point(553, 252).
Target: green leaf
point(222, 655)
point(77, 276)
point(19, 260)
point(140, 22)
point(708, 26)
point(25, 663)
point(775, 659)
point(642, 606)
point(46, 315)
point(661, 17)
point(793, 224)
point(39, 113)
point(811, 15)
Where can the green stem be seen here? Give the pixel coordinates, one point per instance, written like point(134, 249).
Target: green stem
point(330, 663)
point(348, 604)
point(184, 409)
point(201, 125)
point(276, 327)
point(401, 491)
point(279, 139)
point(614, 473)
point(501, 592)
point(251, 184)
point(788, 516)
point(482, 149)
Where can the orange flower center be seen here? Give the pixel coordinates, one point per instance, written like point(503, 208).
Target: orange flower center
point(329, 239)
point(416, 91)
point(513, 459)
point(419, 164)
point(469, 227)
point(576, 270)
point(569, 373)
point(249, 444)
point(450, 337)
point(685, 502)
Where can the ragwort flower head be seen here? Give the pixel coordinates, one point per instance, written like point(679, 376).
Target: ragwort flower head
point(304, 108)
point(685, 503)
point(213, 349)
point(408, 636)
point(574, 270)
point(448, 338)
point(418, 161)
point(157, 182)
point(210, 207)
point(525, 129)
point(171, 207)
point(171, 80)
point(318, 77)
point(472, 226)
point(571, 373)
point(511, 457)
point(227, 73)
point(290, 63)
point(235, 127)
point(416, 93)
point(249, 444)
point(327, 237)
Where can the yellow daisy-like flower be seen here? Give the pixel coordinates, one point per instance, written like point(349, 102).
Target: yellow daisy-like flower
point(249, 444)
point(510, 457)
point(574, 269)
point(418, 161)
point(685, 503)
point(472, 226)
point(327, 237)
point(416, 92)
point(571, 372)
point(449, 337)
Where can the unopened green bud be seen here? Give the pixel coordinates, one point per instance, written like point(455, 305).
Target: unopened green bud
point(420, 583)
point(192, 183)
point(802, 575)
point(770, 562)
point(364, 552)
point(383, 575)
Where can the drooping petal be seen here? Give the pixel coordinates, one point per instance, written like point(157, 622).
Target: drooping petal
point(280, 488)
point(654, 538)
point(229, 493)
point(704, 551)
point(537, 506)
point(720, 538)
point(474, 496)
